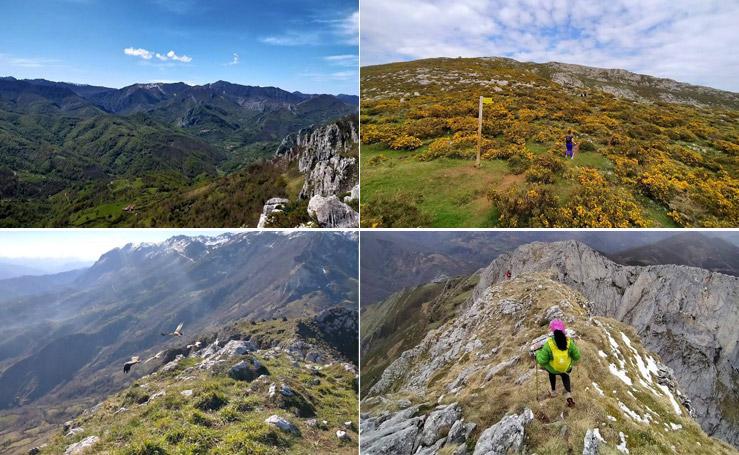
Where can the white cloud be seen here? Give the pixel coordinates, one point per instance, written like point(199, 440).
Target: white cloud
point(348, 28)
point(292, 38)
point(342, 30)
point(143, 53)
point(681, 39)
point(148, 55)
point(349, 60)
point(235, 60)
point(27, 62)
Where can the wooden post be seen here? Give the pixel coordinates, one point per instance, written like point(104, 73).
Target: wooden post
point(479, 134)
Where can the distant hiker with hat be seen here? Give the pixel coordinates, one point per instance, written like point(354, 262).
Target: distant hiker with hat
point(570, 144)
point(558, 355)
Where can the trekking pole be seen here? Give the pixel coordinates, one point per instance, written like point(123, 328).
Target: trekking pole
point(536, 375)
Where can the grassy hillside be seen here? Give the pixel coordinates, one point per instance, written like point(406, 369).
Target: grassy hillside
point(642, 161)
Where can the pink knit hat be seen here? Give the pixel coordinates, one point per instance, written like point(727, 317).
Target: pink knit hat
point(557, 324)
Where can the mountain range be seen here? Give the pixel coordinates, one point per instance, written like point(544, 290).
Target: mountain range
point(86, 152)
point(658, 336)
point(392, 261)
point(66, 336)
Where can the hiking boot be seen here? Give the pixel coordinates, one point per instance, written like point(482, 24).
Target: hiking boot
point(552, 393)
point(570, 402)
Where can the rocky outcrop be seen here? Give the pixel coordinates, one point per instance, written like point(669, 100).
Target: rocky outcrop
point(638, 87)
point(283, 424)
point(326, 156)
point(330, 212)
point(322, 153)
point(685, 314)
point(247, 370)
point(505, 436)
point(276, 204)
point(391, 434)
point(438, 424)
point(84, 446)
point(592, 442)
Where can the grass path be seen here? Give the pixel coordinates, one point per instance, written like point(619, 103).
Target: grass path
point(451, 191)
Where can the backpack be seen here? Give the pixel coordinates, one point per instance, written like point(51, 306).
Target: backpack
point(561, 361)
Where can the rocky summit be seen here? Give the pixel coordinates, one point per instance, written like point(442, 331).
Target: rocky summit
point(327, 160)
point(470, 386)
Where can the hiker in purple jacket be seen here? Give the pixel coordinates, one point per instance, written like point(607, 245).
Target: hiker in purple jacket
point(570, 143)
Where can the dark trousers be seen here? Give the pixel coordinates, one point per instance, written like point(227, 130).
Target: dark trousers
point(565, 381)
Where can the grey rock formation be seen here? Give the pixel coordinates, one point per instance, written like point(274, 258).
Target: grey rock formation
point(438, 423)
point(323, 157)
point(247, 370)
point(687, 315)
point(638, 87)
point(391, 434)
point(353, 196)
point(74, 431)
point(283, 424)
point(432, 449)
point(505, 436)
point(337, 320)
point(459, 432)
point(330, 212)
point(276, 204)
point(84, 446)
point(237, 347)
point(592, 442)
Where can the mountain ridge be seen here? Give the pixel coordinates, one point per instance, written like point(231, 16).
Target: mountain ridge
point(470, 385)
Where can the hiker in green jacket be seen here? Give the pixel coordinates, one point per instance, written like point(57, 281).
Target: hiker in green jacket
point(558, 355)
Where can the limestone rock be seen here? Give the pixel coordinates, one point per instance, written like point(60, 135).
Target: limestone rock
point(592, 442)
point(282, 424)
point(438, 423)
point(237, 347)
point(432, 449)
point(276, 204)
point(460, 431)
point(330, 212)
point(247, 370)
point(75, 431)
point(83, 446)
point(391, 434)
point(505, 436)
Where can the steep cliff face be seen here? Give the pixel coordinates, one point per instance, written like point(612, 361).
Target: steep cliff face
point(686, 315)
point(470, 386)
point(324, 156)
point(327, 157)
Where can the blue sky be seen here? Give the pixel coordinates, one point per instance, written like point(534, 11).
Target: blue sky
point(84, 244)
point(305, 45)
point(692, 41)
